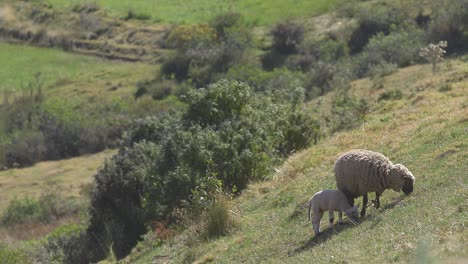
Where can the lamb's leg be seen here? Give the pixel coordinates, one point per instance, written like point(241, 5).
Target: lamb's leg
point(316, 222)
point(364, 205)
point(331, 218)
point(340, 217)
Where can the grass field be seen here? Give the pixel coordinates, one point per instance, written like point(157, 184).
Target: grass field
point(192, 11)
point(61, 69)
point(426, 130)
point(70, 175)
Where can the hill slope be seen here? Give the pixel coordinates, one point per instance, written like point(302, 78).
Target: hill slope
point(426, 130)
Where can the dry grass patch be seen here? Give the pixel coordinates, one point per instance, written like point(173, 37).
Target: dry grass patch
point(70, 175)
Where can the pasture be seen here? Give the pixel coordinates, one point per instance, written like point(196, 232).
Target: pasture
point(193, 11)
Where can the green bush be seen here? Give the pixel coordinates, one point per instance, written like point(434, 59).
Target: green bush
point(400, 47)
point(219, 102)
point(373, 19)
point(449, 22)
point(391, 95)
point(12, 256)
point(140, 16)
point(217, 220)
point(287, 36)
point(347, 112)
point(204, 51)
point(49, 207)
point(228, 136)
point(22, 210)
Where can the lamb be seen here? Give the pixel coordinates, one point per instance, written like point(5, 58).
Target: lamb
point(330, 200)
point(359, 172)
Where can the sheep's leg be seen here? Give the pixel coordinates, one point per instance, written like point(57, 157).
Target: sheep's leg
point(331, 218)
point(364, 205)
point(349, 197)
point(377, 200)
point(316, 222)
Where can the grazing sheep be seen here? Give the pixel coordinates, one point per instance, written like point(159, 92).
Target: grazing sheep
point(359, 172)
point(330, 200)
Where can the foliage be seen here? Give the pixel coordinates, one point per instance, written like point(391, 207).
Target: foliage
point(229, 136)
point(49, 207)
point(373, 19)
point(348, 111)
point(449, 23)
point(21, 210)
point(391, 95)
point(434, 53)
point(66, 244)
point(217, 220)
point(287, 37)
point(204, 51)
point(186, 36)
point(12, 256)
point(399, 47)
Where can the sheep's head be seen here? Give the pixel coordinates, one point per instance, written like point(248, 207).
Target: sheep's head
point(406, 178)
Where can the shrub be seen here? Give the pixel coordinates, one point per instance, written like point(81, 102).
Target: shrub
point(224, 22)
point(445, 87)
point(434, 53)
point(228, 136)
point(176, 66)
point(21, 210)
point(187, 36)
point(373, 19)
point(217, 220)
point(300, 131)
point(140, 16)
point(347, 112)
point(382, 69)
point(320, 76)
point(391, 95)
point(66, 244)
point(25, 149)
point(287, 36)
point(399, 47)
point(278, 80)
point(219, 102)
point(9, 255)
point(203, 52)
point(49, 207)
point(449, 22)
point(117, 201)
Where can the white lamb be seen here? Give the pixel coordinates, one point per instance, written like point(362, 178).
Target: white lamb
point(330, 200)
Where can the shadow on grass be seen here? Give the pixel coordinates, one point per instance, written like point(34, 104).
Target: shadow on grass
point(324, 236)
point(338, 228)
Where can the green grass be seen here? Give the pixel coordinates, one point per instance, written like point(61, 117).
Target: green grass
point(62, 69)
point(70, 176)
point(426, 130)
point(193, 11)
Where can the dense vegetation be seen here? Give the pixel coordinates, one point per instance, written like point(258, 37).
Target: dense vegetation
point(227, 104)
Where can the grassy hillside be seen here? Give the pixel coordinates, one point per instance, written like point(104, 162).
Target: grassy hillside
point(426, 130)
point(61, 69)
point(70, 175)
point(201, 11)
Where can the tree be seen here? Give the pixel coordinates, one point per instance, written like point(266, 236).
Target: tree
point(434, 53)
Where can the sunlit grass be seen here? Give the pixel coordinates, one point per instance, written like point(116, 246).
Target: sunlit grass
point(192, 11)
point(426, 130)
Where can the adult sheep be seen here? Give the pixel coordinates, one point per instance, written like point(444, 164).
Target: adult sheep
point(359, 172)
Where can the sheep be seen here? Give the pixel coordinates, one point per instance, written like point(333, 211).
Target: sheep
point(330, 200)
point(359, 172)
